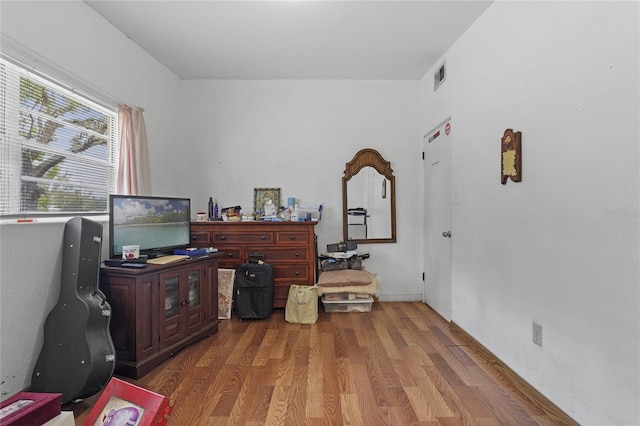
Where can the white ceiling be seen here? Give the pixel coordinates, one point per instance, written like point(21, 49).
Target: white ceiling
point(302, 39)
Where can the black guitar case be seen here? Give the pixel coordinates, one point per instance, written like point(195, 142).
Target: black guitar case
point(78, 357)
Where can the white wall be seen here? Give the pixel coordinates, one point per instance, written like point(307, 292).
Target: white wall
point(77, 40)
point(298, 136)
point(561, 247)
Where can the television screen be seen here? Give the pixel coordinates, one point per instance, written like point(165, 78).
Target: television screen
point(157, 224)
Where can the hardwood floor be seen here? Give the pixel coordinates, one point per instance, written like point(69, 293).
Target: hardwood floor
point(400, 364)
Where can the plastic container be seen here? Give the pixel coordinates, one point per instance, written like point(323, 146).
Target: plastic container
point(354, 305)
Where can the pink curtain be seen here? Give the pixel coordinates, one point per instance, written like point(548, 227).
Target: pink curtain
point(134, 176)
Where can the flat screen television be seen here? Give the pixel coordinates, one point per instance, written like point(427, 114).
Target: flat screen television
point(157, 224)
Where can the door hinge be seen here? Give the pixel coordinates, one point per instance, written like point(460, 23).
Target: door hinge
point(423, 276)
point(422, 155)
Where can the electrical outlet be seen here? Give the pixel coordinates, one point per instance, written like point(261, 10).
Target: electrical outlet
point(537, 334)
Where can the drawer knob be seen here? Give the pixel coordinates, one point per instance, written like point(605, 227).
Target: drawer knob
point(222, 237)
point(229, 254)
point(296, 273)
point(297, 254)
point(262, 237)
point(292, 237)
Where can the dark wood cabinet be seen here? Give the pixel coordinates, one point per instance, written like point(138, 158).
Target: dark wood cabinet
point(182, 291)
point(159, 310)
point(288, 246)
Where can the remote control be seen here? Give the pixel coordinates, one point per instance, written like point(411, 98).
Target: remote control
point(133, 265)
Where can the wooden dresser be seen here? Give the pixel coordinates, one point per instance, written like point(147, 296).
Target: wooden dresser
point(288, 246)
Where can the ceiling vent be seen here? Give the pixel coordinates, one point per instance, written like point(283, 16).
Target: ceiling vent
point(439, 76)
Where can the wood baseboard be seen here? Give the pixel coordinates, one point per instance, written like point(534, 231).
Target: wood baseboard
point(520, 386)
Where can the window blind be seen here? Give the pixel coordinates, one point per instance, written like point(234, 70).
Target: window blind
point(58, 150)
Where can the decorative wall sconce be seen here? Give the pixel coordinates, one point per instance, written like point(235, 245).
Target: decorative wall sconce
point(511, 161)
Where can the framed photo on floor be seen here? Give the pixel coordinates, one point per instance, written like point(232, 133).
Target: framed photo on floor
point(124, 403)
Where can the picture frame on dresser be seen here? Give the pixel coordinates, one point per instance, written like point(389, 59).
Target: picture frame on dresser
point(262, 195)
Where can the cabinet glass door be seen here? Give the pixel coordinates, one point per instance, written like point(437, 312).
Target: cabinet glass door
point(171, 297)
point(194, 281)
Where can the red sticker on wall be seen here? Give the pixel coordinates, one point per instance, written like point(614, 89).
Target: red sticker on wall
point(447, 128)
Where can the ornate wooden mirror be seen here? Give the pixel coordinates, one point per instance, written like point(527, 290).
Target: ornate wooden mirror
point(369, 199)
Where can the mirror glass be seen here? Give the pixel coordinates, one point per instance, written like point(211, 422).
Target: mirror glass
point(368, 191)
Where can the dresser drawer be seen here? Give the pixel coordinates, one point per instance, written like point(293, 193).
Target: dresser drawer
point(280, 296)
point(231, 257)
point(296, 273)
point(235, 237)
point(280, 254)
point(292, 237)
point(201, 239)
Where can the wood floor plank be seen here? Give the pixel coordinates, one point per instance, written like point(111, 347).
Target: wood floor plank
point(266, 345)
point(287, 362)
point(400, 364)
point(427, 342)
point(367, 400)
point(340, 343)
point(315, 378)
point(376, 358)
point(393, 324)
point(386, 339)
point(354, 350)
point(297, 396)
point(302, 348)
point(278, 405)
point(419, 403)
point(212, 395)
point(407, 373)
point(252, 404)
point(279, 344)
point(361, 329)
point(351, 412)
point(436, 400)
point(332, 409)
point(231, 388)
point(403, 408)
point(345, 377)
point(389, 416)
point(458, 406)
point(328, 365)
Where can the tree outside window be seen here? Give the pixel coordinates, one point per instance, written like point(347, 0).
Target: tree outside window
point(58, 148)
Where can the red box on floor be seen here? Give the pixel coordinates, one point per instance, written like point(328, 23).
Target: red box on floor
point(130, 404)
point(30, 409)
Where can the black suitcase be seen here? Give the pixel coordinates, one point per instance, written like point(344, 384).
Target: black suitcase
point(253, 291)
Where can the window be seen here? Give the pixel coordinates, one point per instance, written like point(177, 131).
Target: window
point(57, 148)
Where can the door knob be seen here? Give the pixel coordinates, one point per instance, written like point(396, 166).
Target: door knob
point(446, 234)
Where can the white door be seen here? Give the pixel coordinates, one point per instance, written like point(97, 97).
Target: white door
point(437, 209)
